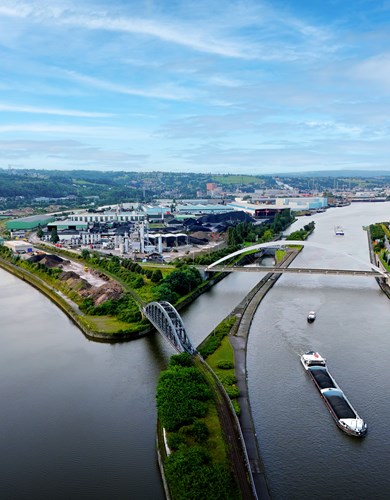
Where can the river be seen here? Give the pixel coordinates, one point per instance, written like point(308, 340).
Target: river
point(306, 456)
point(78, 417)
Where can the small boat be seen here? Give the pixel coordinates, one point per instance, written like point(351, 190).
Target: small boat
point(343, 413)
point(338, 231)
point(311, 317)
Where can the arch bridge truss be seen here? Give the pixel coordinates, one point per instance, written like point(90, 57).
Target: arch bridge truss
point(168, 322)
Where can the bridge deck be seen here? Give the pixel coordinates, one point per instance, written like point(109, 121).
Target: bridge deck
point(293, 270)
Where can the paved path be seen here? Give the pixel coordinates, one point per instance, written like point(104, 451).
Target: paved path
point(239, 340)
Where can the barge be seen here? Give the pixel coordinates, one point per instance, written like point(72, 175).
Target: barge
point(343, 413)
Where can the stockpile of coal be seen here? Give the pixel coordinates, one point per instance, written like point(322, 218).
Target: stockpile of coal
point(339, 405)
point(48, 260)
point(322, 377)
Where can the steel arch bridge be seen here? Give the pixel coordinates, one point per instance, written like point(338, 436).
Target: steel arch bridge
point(168, 322)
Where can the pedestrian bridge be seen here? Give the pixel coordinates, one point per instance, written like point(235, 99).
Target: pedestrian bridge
point(168, 322)
point(374, 270)
point(291, 270)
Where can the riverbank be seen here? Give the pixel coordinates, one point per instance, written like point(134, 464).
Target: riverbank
point(69, 307)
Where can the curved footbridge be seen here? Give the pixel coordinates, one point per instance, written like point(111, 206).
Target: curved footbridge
point(373, 270)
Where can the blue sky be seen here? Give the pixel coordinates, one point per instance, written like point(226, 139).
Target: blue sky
point(195, 86)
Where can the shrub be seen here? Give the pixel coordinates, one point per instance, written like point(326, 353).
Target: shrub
point(175, 440)
point(228, 379)
point(236, 407)
point(183, 359)
point(181, 396)
point(232, 391)
point(192, 475)
point(225, 365)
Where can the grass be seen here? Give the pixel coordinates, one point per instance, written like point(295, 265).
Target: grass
point(237, 179)
point(223, 353)
point(107, 324)
point(386, 230)
point(279, 255)
point(384, 263)
point(215, 444)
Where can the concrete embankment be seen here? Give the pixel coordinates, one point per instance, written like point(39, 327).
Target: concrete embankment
point(239, 340)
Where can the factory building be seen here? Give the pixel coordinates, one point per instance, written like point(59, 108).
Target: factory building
point(18, 246)
point(29, 223)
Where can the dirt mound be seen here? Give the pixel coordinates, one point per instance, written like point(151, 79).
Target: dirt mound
point(202, 235)
point(74, 281)
point(109, 291)
point(77, 278)
point(48, 260)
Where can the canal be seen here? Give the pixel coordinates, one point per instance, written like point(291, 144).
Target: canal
point(78, 417)
point(306, 456)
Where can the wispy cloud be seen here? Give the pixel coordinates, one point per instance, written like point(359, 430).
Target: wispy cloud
point(69, 151)
point(183, 34)
point(171, 94)
point(93, 132)
point(53, 111)
point(276, 83)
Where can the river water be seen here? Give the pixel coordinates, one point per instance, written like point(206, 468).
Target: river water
point(306, 456)
point(78, 417)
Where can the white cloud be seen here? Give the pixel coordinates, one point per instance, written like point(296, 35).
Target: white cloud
point(375, 69)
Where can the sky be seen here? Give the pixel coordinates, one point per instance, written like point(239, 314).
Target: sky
point(246, 86)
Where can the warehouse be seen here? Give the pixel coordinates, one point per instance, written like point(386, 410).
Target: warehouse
point(29, 223)
point(18, 246)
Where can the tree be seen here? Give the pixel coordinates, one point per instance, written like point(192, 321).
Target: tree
point(85, 254)
point(156, 276)
point(54, 238)
point(39, 232)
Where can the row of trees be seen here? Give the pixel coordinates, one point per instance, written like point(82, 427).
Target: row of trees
point(378, 236)
point(302, 234)
point(125, 308)
point(245, 232)
point(179, 282)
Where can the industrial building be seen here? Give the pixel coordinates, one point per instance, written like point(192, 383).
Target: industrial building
point(303, 203)
point(29, 223)
point(202, 209)
point(109, 216)
point(18, 246)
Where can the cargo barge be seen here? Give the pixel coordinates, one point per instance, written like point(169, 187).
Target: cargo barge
point(343, 413)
